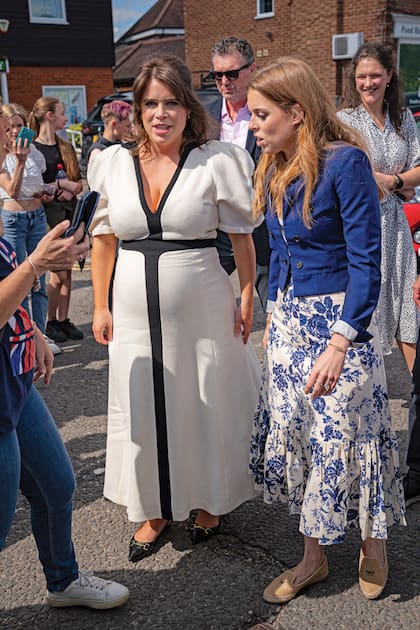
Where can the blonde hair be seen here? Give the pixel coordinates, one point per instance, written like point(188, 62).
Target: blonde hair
point(288, 82)
point(37, 116)
point(15, 109)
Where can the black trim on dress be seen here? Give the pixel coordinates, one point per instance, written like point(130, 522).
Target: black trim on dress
point(152, 247)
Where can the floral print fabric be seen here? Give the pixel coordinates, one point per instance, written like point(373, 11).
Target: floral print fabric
point(335, 459)
point(392, 153)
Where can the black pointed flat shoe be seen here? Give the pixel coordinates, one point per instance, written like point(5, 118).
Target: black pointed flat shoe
point(137, 549)
point(201, 534)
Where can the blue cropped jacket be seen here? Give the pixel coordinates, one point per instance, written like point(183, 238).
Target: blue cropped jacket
point(342, 249)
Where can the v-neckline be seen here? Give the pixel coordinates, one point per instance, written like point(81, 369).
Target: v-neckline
point(168, 188)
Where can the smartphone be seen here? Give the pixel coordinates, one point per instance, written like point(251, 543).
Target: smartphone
point(85, 209)
point(25, 134)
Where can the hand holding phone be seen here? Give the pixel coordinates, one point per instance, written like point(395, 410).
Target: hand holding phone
point(48, 189)
point(25, 134)
point(85, 209)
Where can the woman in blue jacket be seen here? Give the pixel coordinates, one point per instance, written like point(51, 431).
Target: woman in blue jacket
point(322, 437)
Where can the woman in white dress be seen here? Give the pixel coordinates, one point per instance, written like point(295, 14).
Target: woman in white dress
point(183, 384)
point(374, 106)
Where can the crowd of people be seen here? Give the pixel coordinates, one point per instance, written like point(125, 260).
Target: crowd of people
point(306, 204)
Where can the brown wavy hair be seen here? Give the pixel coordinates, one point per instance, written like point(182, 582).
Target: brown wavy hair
point(37, 116)
point(174, 73)
point(288, 82)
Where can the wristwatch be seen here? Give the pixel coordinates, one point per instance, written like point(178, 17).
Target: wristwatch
point(398, 182)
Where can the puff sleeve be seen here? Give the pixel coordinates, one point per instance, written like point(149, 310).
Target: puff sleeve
point(232, 174)
point(97, 177)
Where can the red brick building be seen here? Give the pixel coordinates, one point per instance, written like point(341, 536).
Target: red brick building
point(305, 29)
point(62, 48)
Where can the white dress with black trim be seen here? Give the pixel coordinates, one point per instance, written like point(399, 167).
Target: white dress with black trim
point(182, 387)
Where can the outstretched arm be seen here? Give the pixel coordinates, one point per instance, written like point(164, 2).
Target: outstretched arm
point(52, 252)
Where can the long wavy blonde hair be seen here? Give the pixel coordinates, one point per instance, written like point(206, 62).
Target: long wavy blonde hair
point(288, 82)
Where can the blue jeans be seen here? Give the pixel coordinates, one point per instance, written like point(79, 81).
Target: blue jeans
point(34, 457)
point(24, 230)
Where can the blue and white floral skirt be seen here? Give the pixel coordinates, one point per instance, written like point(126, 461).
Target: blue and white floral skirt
point(333, 459)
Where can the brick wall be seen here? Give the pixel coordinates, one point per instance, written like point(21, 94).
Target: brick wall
point(301, 28)
point(25, 84)
point(406, 6)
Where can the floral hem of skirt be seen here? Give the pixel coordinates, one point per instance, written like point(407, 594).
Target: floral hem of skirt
point(333, 459)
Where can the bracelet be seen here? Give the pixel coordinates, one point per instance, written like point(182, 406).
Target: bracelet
point(339, 348)
point(37, 283)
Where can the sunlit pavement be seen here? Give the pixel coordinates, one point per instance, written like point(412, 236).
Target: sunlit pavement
point(211, 586)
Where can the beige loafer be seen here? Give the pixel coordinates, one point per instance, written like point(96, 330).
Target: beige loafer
point(372, 576)
point(282, 589)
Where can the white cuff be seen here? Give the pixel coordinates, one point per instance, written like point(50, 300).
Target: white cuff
point(343, 328)
point(270, 306)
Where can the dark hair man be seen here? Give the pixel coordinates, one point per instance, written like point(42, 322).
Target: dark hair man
point(232, 64)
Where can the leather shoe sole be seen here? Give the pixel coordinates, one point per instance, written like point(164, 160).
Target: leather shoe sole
point(372, 577)
point(282, 589)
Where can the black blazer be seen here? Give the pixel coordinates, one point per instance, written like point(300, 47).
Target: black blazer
point(260, 234)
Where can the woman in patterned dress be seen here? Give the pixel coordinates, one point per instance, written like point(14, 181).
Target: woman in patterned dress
point(374, 106)
point(322, 438)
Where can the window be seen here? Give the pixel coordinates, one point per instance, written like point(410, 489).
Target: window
point(73, 98)
point(265, 8)
point(47, 11)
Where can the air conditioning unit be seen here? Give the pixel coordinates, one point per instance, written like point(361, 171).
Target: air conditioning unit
point(345, 46)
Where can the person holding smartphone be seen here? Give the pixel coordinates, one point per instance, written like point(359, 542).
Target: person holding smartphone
point(32, 454)
point(46, 119)
point(23, 196)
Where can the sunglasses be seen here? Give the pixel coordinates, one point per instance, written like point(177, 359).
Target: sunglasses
point(232, 75)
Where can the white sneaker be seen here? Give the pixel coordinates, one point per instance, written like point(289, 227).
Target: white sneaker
point(90, 590)
point(53, 346)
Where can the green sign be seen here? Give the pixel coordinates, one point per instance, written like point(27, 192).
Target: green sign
point(4, 65)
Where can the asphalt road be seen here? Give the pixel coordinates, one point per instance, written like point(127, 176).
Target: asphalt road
point(209, 587)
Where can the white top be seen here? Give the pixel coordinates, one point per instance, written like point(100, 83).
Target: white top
point(213, 190)
point(32, 176)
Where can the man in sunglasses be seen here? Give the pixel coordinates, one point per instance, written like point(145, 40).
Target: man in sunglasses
point(233, 63)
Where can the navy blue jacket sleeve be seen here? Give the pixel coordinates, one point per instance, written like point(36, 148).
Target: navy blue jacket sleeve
point(273, 277)
point(360, 211)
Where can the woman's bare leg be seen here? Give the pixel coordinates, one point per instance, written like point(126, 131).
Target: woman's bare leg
point(150, 530)
point(408, 351)
point(205, 519)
